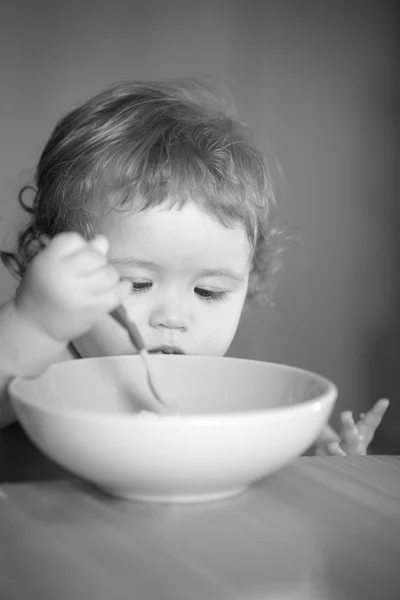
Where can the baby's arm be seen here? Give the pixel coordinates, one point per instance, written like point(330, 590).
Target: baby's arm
point(66, 289)
point(24, 350)
point(354, 438)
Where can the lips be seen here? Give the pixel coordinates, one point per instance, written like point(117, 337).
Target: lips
point(166, 350)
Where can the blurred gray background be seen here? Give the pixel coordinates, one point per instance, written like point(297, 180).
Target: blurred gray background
point(318, 83)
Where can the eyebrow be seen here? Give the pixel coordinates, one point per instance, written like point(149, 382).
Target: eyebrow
point(148, 264)
point(225, 273)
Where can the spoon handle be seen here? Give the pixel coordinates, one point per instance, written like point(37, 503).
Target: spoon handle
point(121, 316)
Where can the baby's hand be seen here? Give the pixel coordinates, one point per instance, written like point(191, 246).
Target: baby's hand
point(69, 285)
point(354, 438)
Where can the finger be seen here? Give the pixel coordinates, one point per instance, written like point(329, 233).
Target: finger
point(111, 299)
point(102, 280)
point(87, 260)
point(321, 451)
point(100, 244)
point(66, 243)
point(348, 430)
point(374, 416)
point(124, 290)
point(327, 436)
point(334, 449)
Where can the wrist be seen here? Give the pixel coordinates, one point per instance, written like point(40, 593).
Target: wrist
point(27, 349)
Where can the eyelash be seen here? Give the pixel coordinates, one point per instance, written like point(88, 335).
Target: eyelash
point(212, 296)
point(140, 287)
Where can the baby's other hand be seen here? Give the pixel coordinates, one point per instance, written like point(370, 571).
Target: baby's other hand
point(354, 438)
point(69, 285)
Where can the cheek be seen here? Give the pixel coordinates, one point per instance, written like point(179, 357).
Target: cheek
point(216, 340)
point(220, 328)
point(138, 307)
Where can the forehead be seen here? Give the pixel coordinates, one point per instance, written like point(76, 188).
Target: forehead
point(188, 236)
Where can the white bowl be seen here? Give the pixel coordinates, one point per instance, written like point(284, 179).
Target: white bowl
point(239, 420)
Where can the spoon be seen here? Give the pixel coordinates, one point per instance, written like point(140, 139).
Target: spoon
point(121, 316)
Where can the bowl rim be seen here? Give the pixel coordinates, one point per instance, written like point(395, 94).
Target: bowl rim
point(329, 396)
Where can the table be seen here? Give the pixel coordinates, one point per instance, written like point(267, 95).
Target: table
point(321, 528)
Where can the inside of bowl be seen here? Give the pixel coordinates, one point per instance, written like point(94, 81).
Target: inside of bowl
point(191, 384)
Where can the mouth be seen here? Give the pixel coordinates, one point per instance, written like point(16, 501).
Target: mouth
point(166, 350)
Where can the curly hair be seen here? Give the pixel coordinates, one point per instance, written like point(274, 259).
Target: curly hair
point(140, 144)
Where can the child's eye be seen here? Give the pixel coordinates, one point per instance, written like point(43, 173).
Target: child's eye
point(209, 295)
point(139, 286)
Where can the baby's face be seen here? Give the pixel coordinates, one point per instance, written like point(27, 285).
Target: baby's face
point(189, 278)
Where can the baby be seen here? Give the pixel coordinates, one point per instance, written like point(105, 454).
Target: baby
point(151, 195)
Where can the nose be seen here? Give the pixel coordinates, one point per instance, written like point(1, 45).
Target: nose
point(170, 314)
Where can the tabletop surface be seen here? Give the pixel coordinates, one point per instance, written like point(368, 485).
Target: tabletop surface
point(321, 528)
